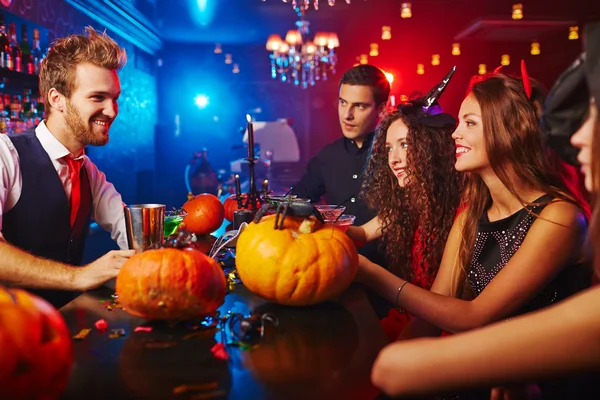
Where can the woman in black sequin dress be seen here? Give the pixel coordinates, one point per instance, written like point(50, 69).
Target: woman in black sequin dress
point(520, 243)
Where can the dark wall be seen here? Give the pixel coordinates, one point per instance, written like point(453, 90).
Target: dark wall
point(191, 69)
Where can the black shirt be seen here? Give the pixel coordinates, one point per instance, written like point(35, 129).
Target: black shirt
point(336, 174)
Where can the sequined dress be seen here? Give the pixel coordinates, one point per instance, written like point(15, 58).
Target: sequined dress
point(495, 244)
point(498, 241)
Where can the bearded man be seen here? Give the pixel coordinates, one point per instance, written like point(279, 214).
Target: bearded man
point(49, 189)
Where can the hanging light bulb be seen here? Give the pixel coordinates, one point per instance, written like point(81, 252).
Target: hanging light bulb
point(363, 59)
point(505, 60)
point(386, 33)
point(273, 42)
point(218, 49)
point(517, 11)
point(482, 69)
point(435, 59)
point(374, 50)
point(236, 69)
point(228, 59)
point(456, 49)
point(420, 69)
point(573, 32)
point(535, 48)
point(406, 10)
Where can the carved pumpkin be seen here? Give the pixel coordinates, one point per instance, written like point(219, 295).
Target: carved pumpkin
point(309, 347)
point(231, 206)
point(305, 263)
point(171, 284)
point(204, 214)
point(36, 351)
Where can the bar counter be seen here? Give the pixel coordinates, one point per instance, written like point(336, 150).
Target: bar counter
point(319, 352)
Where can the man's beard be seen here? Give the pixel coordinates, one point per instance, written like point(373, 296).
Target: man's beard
point(80, 130)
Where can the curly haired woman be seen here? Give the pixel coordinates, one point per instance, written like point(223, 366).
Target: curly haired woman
point(412, 182)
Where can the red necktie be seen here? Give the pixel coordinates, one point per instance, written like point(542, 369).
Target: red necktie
point(74, 168)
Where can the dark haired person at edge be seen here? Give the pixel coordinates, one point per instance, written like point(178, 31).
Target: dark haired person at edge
point(336, 173)
point(49, 189)
point(520, 243)
point(416, 195)
point(559, 343)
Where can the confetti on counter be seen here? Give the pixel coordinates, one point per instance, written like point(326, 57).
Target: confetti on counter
point(101, 325)
point(82, 334)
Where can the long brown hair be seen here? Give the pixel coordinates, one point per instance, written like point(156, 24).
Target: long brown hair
point(420, 214)
point(516, 152)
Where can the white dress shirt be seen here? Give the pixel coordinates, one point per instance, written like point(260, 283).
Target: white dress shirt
point(107, 205)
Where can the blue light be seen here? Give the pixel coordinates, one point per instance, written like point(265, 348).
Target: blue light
point(203, 11)
point(202, 4)
point(201, 101)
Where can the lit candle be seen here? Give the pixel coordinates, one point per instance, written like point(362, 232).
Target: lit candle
point(250, 137)
point(265, 186)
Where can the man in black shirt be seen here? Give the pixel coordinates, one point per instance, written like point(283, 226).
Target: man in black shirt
point(336, 173)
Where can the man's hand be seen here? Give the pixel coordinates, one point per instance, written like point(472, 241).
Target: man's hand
point(103, 269)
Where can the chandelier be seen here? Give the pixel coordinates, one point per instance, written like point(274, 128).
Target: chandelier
point(299, 60)
point(302, 5)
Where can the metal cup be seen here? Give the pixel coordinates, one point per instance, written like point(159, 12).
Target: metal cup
point(145, 225)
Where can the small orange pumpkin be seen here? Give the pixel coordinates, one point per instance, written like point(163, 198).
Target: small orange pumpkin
point(231, 206)
point(36, 350)
point(171, 284)
point(204, 214)
point(304, 263)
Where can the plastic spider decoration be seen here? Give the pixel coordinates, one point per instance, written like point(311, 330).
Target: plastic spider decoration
point(288, 205)
point(241, 330)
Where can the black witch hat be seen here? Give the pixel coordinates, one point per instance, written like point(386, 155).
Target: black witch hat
point(426, 110)
point(567, 104)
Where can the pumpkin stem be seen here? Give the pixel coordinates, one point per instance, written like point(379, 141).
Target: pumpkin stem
point(307, 226)
point(190, 196)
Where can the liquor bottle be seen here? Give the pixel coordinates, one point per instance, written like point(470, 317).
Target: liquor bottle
point(26, 57)
point(16, 117)
point(15, 50)
point(40, 106)
point(3, 124)
point(202, 177)
point(26, 112)
point(36, 51)
point(5, 54)
point(6, 114)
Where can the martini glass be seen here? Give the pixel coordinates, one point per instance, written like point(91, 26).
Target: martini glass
point(172, 221)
